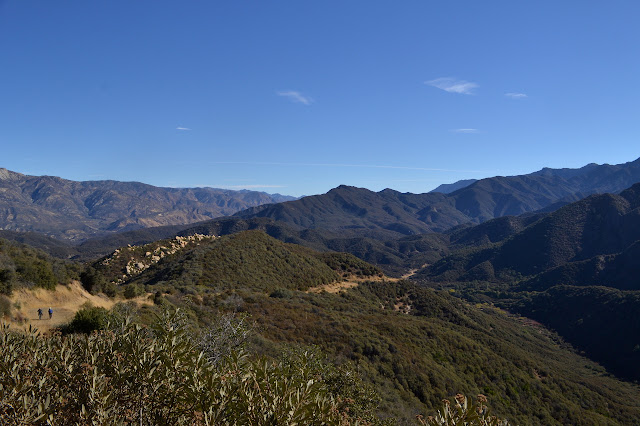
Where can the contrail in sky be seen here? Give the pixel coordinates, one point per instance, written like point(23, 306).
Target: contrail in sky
point(370, 166)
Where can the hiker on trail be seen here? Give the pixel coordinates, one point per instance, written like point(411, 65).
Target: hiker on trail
point(40, 313)
point(50, 312)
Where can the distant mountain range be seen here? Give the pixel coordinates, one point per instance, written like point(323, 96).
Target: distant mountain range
point(388, 213)
point(593, 241)
point(387, 228)
point(75, 211)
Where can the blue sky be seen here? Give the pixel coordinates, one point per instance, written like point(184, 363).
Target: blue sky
point(298, 97)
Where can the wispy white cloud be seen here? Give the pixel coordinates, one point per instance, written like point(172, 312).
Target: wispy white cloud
point(453, 85)
point(254, 186)
point(251, 186)
point(465, 131)
point(182, 128)
point(296, 97)
point(366, 166)
point(514, 95)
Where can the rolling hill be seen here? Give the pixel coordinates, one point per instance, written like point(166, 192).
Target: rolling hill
point(244, 259)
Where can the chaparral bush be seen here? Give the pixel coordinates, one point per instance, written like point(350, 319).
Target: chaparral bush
point(129, 374)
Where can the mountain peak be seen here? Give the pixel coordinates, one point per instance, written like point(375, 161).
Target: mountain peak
point(8, 174)
point(346, 188)
point(448, 188)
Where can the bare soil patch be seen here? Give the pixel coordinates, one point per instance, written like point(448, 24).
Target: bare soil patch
point(347, 283)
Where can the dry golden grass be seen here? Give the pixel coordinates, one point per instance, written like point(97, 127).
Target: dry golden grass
point(65, 301)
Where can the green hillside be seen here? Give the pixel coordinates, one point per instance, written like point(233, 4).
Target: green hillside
point(249, 259)
point(21, 265)
point(414, 345)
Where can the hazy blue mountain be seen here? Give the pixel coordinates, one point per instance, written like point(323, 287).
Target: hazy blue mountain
point(78, 210)
point(448, 188)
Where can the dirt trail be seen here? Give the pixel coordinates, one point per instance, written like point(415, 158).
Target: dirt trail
point(353, 281)
point(333, 287)
point(348, 282)
point(65, 302)
point(409, 274)
point(412, 272)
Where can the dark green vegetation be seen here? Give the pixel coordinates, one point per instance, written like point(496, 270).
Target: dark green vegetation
point(602, 321)
point(79, 210)
point(440, 346)
point(414, 345)
point(23, 266)
point(54, 247)
point(88, 319)
point(394, 256)
point(565, 269)
point(250, 260)
point(245, 260)
point(559, 244)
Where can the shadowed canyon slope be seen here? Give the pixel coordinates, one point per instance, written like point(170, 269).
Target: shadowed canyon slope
point(589, 242)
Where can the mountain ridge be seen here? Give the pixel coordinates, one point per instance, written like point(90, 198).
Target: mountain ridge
point(389, 213)
point(77, 210)
point(599, 225)
point(448, 188)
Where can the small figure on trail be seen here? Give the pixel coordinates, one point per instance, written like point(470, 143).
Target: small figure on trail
point(40, 313)
point(50, 313)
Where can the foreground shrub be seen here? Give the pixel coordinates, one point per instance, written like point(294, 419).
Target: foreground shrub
point(7, 278)
point(87, 319)
point(460, 413)
point(92, 280)
point(154, 376)
point(5, 306)
point(132, 291)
